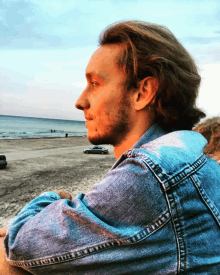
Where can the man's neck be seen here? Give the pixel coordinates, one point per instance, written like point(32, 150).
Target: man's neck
point(128, 142)
point(139, 125)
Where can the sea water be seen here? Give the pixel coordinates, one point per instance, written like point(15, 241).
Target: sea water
point(17, 127)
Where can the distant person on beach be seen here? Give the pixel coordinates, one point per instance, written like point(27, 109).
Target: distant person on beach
point(157, 211)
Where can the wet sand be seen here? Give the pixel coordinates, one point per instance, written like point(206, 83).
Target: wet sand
point(39, 165)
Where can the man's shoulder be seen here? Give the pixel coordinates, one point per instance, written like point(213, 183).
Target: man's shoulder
point(173, 151)
point(185, 141)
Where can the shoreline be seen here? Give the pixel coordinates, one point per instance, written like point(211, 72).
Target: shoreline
point(41, 137)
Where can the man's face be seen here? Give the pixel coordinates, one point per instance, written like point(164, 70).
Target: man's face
point(105, 103)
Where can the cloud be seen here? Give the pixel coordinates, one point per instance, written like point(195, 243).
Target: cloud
point(201, 40)
point(80, 84)
point(209, 89)
point(42, 101)
point(11, 81)
point(46, 25)
point(57, 24)
point(16, 22)
point(204, 54)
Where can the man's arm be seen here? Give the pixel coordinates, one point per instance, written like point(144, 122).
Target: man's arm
point(51, 233)
point(5, 267)
point(63, 195)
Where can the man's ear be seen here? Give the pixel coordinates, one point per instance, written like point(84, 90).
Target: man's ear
point(146, 92)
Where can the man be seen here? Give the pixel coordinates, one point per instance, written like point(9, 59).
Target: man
point(157, 211)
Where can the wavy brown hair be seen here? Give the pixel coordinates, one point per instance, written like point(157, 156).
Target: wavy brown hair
point(153, 50)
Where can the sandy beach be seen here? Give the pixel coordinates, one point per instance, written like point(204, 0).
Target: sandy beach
point(39, 165)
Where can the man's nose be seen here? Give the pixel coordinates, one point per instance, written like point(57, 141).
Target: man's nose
point(82, 102)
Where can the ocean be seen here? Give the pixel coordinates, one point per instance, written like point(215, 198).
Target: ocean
point(17, 127)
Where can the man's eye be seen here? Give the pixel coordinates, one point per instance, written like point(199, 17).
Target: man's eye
point(94, 84)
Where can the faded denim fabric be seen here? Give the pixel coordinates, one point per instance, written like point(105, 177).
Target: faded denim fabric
point(157, 211)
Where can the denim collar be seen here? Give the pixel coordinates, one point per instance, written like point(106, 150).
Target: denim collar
point(155, 131)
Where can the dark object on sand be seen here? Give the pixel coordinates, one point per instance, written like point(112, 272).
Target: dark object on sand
point(66, 134)
point(3, 161)
point(96, 150)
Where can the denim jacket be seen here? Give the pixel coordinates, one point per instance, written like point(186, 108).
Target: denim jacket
point(157, 211)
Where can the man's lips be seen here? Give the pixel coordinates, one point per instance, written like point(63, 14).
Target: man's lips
point(88, 118)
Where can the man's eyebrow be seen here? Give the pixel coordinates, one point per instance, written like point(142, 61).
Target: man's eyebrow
point(92, 74)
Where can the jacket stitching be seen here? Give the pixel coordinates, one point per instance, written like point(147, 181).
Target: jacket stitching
point(182, 175)
point(168, 183)
point(206, 199)
point(179, 236)
point(186, 172)
point(162, 220)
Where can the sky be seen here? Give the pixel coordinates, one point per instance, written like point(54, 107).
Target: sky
point(45, 46)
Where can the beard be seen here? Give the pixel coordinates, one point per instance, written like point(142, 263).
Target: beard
point(115, 132)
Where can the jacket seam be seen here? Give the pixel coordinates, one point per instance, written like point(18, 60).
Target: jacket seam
point(205, 198)
point(192, 168)
point(179, 237)
point(161, 221)
point(181, 248)
point(168, 183)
